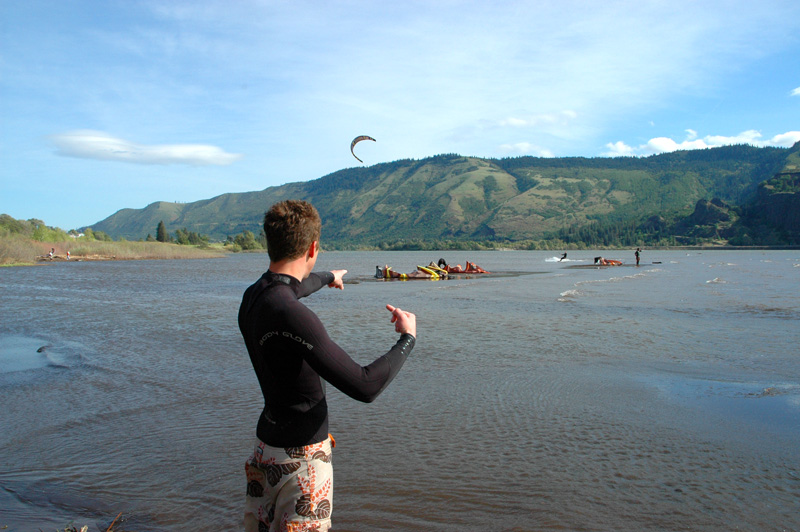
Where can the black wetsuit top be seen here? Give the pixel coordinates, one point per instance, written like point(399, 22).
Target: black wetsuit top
point(291, 353)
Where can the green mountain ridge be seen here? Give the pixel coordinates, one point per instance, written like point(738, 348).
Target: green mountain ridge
point(454, 197)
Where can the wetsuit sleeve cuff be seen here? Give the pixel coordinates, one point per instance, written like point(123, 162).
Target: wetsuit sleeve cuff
point(407, 341)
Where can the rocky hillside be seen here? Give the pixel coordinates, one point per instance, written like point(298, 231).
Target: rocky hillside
point(774, 214)
point(466, 198)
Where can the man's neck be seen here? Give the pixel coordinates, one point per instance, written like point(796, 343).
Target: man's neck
point(299, 268)
point(293, 268)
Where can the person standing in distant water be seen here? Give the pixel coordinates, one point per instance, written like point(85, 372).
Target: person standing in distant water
point(564, 256)
point(289, 474)
point(637, 255)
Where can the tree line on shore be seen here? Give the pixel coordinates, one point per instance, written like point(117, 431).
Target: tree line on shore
point(26, 241)
point(712, 223)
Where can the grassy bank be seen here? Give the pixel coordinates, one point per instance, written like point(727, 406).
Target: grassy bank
point(17, 251)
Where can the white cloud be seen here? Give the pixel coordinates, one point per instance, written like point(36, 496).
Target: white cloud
point(753, 137)
point(543, 119)
point(619, 149)
point(796, 92)
point(750, 136)
point(514, 122)
point(665, 144)
point(88, 144)
point(787, 139)
point(540, 125)
point(526, 148)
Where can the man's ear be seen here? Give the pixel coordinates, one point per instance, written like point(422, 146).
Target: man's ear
point(313, 249)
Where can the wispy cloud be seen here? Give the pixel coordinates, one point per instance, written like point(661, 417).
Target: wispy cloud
point(619, 149)
point(666, 144)
point(88, 144)
point(796, 92)
point(545, 119)
point(526, 148)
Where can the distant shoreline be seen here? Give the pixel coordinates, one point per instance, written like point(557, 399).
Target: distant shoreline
point(101, 258)
point(26, 252)
point(174, 251)
point(721, 248)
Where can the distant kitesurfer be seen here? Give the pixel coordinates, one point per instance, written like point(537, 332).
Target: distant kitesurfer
point(289, 474)
point(637, 255)
point(564, 256)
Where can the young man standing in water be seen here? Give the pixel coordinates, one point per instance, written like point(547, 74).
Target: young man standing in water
point(289, 474)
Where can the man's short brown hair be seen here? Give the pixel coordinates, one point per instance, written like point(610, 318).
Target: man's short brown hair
point(290, 227)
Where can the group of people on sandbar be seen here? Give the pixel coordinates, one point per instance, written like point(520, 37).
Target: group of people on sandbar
point(471, 267)
point(440, 270)
point(51, 255)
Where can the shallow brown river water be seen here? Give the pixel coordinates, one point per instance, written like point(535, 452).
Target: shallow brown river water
point(546, 396)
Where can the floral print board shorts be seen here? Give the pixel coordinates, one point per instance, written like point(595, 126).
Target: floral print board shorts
point(291, 489)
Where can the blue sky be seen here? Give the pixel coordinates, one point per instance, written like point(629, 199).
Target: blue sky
point(113, 104)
